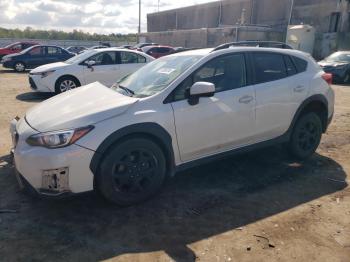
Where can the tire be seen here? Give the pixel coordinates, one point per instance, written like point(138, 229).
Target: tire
point(19, 67)
point(66, 83)
point(306, 136)
point(132, 171)
point(346, 78)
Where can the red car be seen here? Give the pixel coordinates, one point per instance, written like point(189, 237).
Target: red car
point(158, 51)
point(15, 48)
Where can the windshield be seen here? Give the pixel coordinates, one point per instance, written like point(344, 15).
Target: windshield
point(156, 76)
point(339, 57)
point(80, 57)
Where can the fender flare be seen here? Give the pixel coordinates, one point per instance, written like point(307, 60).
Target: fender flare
point(152, 130)
point(314, 98)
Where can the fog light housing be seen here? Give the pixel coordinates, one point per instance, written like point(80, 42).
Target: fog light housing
point(55, 181)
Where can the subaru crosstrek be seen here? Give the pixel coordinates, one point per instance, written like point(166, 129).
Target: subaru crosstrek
point(176, 112)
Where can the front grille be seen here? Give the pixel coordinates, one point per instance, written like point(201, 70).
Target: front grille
point(32, 84)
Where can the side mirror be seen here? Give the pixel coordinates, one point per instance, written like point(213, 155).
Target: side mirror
point(200, 89)
point(90, 63)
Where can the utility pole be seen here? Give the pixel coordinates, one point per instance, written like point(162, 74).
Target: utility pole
point(139, 20)
point(290, 13)
point(158, 5)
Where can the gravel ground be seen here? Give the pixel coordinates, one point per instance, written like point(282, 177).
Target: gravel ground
point(261, 206)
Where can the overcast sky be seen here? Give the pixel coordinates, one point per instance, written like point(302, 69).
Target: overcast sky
point(100, 16)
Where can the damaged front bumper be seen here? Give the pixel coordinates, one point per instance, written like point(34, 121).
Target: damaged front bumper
point(49, 172)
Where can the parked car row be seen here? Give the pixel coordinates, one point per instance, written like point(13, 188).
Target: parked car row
point(173, 113)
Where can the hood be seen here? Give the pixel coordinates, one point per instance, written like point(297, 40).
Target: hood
point(12, 55)
point(80, 107)
point(47, 67)
point(331, 63)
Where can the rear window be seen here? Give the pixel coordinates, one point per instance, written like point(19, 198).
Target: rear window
point(300, 64)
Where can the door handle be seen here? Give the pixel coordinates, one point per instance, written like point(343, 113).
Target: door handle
point(299, 88)
point(246, 99)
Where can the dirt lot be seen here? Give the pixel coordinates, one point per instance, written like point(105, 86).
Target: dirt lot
point(261, 206)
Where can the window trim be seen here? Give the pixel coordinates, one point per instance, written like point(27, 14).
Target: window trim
point(170, 96)
point(138, 55)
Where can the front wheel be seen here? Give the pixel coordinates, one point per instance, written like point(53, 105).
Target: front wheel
point(19, 67)
point(346, 78)
point(66, 83)
point(306, 136)
point(132, 171)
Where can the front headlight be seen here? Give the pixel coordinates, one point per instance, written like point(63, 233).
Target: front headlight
point(58, 139)
point(43, 74)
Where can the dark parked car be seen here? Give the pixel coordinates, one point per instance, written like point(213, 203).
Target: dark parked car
point(158, 51)
point(337, 64)
point(15, 48)
point(76, 49)
point(35, 56)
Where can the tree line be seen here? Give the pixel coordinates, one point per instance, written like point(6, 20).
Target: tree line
point(30, 33)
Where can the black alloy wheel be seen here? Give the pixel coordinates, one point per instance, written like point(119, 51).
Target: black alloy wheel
point(132, 171)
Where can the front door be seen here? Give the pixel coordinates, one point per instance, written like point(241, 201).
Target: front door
point(219, 123)
point(35, 56)
point(105, 70)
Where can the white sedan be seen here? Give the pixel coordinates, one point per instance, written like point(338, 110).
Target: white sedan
point(105, 65)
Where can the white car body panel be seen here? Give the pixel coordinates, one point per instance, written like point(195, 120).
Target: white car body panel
point(216, 124)
point(105, 74)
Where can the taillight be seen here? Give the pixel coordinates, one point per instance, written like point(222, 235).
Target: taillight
point(328, 78)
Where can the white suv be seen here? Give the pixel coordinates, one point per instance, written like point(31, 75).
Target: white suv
point(105, 65)
point(178, 111)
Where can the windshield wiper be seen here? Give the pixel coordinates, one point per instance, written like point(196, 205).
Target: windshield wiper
point(129, 91)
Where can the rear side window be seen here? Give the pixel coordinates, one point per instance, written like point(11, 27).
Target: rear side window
point(268, 67)
point(53, 50)
point(300, 64)
point(131, 58)
point(291, 70)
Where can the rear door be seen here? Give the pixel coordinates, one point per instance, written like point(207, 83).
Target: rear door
point(105, 70)
point(274, 94)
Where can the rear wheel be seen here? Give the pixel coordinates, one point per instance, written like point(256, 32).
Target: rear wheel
point(19, 67)
point(132, 171)
point(66, 83)
point(306, 136)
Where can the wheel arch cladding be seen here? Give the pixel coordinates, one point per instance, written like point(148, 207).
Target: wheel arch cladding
point(317, 104)
point(152, 131)
point(72, 76)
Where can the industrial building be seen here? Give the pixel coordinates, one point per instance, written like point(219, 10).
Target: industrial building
point(210, 24)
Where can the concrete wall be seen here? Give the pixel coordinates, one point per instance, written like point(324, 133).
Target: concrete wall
point(211, 37)
point(274, 13)
point(62, 43)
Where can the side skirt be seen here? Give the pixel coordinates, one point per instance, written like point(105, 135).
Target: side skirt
point(279, 140)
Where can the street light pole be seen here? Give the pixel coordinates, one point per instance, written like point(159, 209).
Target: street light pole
point(139, 31)
point(290, 13)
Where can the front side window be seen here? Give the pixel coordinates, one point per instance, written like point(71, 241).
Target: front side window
point(36, 51)
point(268, 67)
point(104, 58)
point(131, 58)
point(226, 73)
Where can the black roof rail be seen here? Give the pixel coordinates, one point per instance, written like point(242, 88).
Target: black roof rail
point(253, 43)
